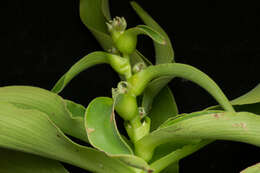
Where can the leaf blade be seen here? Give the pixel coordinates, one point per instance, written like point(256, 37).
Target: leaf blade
point(164, 53)
point(101, 127)
point(49, 103)
point(84, 63)
point(15, 161)
point(33, 132)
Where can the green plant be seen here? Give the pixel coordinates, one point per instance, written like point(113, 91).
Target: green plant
point(33, 120)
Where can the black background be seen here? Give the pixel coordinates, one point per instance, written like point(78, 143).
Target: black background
point(40, 40)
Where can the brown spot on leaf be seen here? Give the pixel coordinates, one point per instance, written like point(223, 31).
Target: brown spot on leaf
point(241, 125)
point(58, 135)
point(216, 116)
point(90, 130)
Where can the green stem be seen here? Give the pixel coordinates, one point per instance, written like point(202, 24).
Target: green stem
point(176, 155)
point(140, 80)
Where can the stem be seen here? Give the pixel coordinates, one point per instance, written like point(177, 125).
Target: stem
point(140, 80)
point(176, 155)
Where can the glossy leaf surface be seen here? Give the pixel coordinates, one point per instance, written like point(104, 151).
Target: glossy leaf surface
point(164, 53)
point(33, 132)
point(101, 127)
point(83, 64)
point(16, 161)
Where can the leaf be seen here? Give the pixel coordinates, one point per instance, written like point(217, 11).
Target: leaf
point(170, 161)
point(67, 115)
point(146, 30)
point(103, 134)
point(173, 168)
point(105, 9)
point(140, 80)
point(15, 161)
point(83, 64)
point(92, 15)
point(164, 106)
point(251, 97)
point(164, 53)
point(252, 169)
point(241, 127)
point(33, 132)
point(249, 102)
point(101, 127)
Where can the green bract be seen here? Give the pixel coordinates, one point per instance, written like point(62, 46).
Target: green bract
point(34, 122)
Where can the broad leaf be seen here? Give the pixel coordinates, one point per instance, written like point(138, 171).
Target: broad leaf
point(103, 134)
point(252, 169)
point(83, 64)
point(16, 161)
point(164, 53)
point(92, 15)
point(67, 115)
point(241, 127)
point(101, 127)
point(33, 132)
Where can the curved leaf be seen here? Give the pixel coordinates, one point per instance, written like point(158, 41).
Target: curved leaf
point(83, 64)
point(33, 132)
point(140, 80)
point(249, 102)
point(101, 127)
point(251, 97)
point(241, 126)
point(103, 134)
point(252, 169)
point(146, 30)
point(65, 114)
point(164, 107)
point(15, 161)
point(92, 15)
point(164, 53)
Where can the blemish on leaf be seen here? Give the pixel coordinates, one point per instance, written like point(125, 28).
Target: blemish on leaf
point(58, 135)
point(216, 116)
point(90, 130)
point(241, 125)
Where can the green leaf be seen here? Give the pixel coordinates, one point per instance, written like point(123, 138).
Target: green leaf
point(249, 102)
point(103, 134)
point(146, 30)
point(33, 132)
point(67, 115)
point(83, 64)
point(241, 127)
point(140, 80)
point(164, 53)
point(252, 169)
point(92, 15)
point(173, 168)
point(15, 161)
point(101, 127)
point(251, 97)
point(163, 106)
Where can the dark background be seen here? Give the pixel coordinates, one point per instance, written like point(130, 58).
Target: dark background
point(40, 40)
